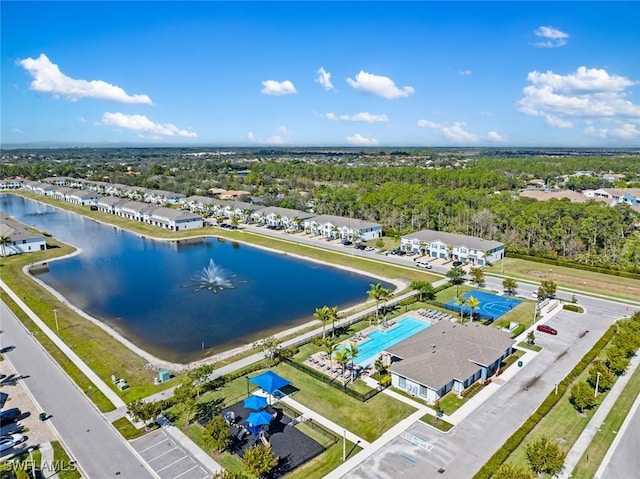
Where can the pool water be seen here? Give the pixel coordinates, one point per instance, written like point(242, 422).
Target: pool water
point(381, 340)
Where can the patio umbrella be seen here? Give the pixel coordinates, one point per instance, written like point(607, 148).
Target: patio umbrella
point(258, 418)
point(269, 381)
point(255, 402)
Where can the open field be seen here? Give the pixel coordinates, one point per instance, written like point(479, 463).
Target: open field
point(587, 281)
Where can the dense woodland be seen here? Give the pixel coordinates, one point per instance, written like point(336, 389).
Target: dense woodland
point(403, 190)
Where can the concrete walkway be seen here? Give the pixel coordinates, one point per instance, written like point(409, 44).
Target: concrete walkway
point(86, 370)
point(47, 466)
point(575, 453)
point(375, 446)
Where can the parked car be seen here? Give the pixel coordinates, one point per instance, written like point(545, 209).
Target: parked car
point(9, 416)
point(543, 328)
point(423, 264)
point(347, 243)
point(457, 263)
point(11, 440)
point(360, 247)
point(369, 248)
point(410, 253)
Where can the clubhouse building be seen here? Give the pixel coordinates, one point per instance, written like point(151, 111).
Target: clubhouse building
point(447, 356)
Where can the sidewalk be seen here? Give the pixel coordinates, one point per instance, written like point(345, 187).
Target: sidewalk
point(79, 363)
point(575, 453)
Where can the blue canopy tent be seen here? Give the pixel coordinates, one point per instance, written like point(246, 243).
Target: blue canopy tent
point(269, 381)
point(255, 402)
point(258, 418)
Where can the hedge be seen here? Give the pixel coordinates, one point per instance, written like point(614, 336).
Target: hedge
point(502, 454)
point(573, 307)
point(518, 331)
point(574, 265)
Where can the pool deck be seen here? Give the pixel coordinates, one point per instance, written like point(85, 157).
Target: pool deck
point(321, 361)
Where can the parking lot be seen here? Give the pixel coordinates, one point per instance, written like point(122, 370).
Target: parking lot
point(167, 458)
point(38, 432)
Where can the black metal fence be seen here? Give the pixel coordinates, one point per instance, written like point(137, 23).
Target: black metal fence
point(293, 414)
point(333, 382)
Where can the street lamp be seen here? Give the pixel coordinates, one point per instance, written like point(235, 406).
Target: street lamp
point(55, 315)
point(344, 445)
point(595, 392)
point(557, 379)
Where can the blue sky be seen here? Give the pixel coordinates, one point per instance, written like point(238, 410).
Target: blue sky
point(321, 74)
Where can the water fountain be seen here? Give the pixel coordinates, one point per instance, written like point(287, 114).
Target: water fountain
point(213, 278)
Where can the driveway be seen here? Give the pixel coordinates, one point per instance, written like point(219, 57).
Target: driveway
point(167, 458)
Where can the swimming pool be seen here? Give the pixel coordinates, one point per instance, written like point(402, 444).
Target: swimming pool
point(380, 340)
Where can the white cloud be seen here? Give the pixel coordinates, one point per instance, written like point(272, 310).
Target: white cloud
point(552, 37)
point(16, 130)
point(360, 140)
point(82, 119)
point(275, 140)
point(428, 124)
point(282, 129)
point(379, 86)
point(464, 72)
point(622, 131)
point(458, 134)
point(585, 93)
point(272, 87)
point(250, 136)
point(363, 117)
point(142, 123)
point(48, 78)
point(324, 78)
point(555, 122)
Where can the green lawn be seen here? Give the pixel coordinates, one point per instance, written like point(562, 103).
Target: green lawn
point(367, 420)
point(321, 465)
point(577, 279)
point(436, 422)
point(592, 457)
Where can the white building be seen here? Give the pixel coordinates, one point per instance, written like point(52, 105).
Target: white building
point(346, 229)
point(453, 246)
point(18, 239)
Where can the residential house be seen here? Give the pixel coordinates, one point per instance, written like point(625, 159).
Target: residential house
point(285, 218)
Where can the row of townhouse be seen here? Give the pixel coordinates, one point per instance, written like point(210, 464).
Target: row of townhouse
point(128, 203)
point(453, 246)
point(328, 226)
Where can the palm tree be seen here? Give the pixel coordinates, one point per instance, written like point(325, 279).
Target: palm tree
point(342, 357)
point(353, 352)
point(329, 346)
point(4, 240)
point(460, 301)
point(473, 304)
point(423, 247)
point(387, 294)
point(456, 277)
point(376, 292)
point(333, 317)
point(322, 315)
point(297, 222)
point(334, 231)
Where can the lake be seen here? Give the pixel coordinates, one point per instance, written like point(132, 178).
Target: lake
point(147, 290)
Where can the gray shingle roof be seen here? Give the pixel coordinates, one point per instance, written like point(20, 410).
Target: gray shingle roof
point(344, 221)
point(447, 351)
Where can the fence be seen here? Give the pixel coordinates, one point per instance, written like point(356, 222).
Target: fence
point(332, 382)
point(293, 413)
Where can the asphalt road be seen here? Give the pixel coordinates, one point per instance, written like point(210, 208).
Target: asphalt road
point(625, 461)
point(473, 442)
point(97, 447)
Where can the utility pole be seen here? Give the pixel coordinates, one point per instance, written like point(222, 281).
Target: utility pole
point(595, 392)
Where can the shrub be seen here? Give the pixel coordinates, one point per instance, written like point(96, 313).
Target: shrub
point(573, 307)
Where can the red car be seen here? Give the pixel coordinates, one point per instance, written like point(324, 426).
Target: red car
point(546, 329)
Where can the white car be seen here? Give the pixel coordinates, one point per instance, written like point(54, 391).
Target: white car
point(423, 264)
point(369, 248)
point(11, 440)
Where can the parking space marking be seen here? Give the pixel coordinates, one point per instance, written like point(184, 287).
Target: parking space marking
point(166, 452)
point(184, 472)
point(174, 462)
point(153, 445)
